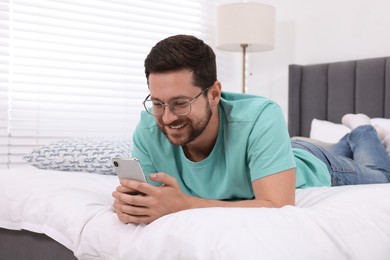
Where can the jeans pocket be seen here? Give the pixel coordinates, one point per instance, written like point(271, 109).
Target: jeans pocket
point(340, 164)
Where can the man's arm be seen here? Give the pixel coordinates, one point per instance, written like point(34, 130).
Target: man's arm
point(273, 191)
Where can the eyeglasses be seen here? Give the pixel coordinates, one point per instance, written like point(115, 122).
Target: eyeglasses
point(179, 106)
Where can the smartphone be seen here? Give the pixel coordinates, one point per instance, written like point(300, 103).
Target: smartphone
point(129, 168)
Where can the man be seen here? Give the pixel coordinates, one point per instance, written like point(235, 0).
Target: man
point(200, 147)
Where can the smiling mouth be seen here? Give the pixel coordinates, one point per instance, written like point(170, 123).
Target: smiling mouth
point(175, 127)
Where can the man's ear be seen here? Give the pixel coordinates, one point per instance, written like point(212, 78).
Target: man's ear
point(215, 93)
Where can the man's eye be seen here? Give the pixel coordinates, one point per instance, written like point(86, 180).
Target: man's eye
point(180, 103)
point(157, 104)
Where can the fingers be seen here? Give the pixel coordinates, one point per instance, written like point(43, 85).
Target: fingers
point(164, 178)
point(150, 203)
point(131, 209)
point(124, 189)
point(131, 213)
point(130, 199)
point(125, 218)
point(122, 212)
point(131, 186)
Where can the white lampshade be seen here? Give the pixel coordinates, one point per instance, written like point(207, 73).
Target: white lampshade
point(246, 23)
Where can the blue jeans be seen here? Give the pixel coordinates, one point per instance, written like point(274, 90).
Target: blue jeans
point(358, 158)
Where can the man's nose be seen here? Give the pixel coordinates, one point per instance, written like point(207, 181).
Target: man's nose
point(168, 116)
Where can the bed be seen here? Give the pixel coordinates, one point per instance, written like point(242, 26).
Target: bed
point(55, 214)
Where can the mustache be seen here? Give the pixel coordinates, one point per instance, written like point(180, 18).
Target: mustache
point(176, 123)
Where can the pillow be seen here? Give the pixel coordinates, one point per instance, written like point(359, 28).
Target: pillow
point(329, 132)
point(382, 122)
point(326, 131)
point(80, 154)
point(385, 125)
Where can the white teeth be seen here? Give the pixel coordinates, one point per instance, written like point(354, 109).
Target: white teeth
point(177, 126)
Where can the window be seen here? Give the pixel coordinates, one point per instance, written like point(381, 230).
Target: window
point(75, 68)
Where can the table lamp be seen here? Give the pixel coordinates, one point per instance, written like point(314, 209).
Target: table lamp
point(245, 27)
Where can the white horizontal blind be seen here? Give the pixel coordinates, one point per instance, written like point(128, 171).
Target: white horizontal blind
point(75, 67)
point(4, 76)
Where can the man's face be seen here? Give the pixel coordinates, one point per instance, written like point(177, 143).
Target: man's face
point(166, 87)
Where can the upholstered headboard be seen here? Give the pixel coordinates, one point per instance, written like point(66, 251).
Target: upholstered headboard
point(330, 90)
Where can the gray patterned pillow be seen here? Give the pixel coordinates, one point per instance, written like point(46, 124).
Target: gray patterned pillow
point(80, 154)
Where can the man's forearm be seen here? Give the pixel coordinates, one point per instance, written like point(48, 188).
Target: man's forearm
point(194, 202)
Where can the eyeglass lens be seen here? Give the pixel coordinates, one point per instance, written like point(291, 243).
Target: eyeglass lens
point(178, 106)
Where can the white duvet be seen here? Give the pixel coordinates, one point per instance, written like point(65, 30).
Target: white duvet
point(350, 222)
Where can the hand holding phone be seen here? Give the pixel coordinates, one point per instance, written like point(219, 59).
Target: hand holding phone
point(129, 168)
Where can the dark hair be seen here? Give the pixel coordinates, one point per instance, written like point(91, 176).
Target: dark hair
point(183, 52)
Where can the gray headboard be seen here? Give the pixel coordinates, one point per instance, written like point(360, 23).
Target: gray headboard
point(330, 90)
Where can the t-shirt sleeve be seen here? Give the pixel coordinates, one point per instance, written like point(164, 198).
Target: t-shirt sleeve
point(269, 147)
point(140, 151)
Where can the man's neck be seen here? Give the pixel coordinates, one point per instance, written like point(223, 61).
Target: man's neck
point(197, 154)
point(200, 148)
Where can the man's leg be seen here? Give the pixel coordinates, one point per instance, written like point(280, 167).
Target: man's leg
point(342, 148)
point(367, 148)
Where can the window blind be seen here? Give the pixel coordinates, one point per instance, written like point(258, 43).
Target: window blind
point(72, 68)
point(4, 76)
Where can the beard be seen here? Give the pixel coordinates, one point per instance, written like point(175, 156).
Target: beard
point(191, 130)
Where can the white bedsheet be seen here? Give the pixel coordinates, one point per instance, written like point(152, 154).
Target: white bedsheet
point(351, 222)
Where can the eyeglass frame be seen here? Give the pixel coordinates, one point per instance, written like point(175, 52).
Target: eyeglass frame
point(190, 101)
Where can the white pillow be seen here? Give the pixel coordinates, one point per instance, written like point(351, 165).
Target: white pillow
point(326, 131)
point(80, 154)
point(329, 132)
point(382, 122)
point(385, 125)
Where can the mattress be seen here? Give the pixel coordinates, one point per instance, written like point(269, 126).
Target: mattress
point(75, 209)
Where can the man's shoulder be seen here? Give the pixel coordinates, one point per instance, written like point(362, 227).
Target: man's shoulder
point(147, 120)
point(244, 107)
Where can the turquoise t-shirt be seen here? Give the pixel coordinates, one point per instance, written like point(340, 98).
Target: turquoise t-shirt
point(252, 143)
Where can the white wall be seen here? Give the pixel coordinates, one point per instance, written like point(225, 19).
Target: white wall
point(311, 31)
